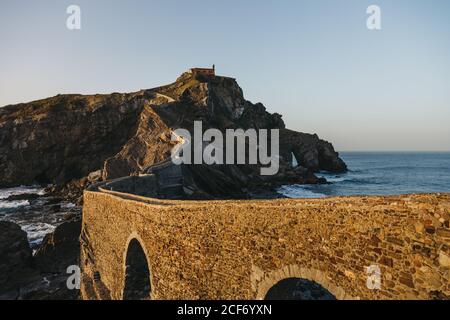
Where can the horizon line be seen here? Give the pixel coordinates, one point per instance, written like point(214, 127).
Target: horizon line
point(397, 151)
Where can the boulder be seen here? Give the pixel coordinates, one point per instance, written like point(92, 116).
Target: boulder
point(59, 249)
point(15, 257)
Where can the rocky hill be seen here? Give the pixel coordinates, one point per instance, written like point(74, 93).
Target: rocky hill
point(74, 140)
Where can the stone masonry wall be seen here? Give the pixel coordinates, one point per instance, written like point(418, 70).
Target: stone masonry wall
point(240, 249)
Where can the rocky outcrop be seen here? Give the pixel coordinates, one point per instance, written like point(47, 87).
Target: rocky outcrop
point(83, 139)
point(240, 182)
point(311, 152)
point(42, 276)
point(59, 249)
point(150, 144)
point(64, 137)
point(15, 257)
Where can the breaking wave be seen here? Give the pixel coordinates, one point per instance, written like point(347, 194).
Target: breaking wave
point(299, 191)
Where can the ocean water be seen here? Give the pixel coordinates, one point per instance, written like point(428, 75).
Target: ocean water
point(382, 173)
point(6, 205)
point(32, 217)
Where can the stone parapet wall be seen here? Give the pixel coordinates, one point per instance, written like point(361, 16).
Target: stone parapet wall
point(240, 249)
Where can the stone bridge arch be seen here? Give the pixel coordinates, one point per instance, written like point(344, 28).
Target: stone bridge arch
point(263, 282)
point(136, 261)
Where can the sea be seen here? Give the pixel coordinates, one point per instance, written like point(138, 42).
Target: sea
point(381, 173)
point(36, 216)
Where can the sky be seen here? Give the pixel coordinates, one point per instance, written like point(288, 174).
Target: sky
point(315, 62)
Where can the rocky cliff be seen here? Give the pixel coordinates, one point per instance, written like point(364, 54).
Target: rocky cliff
point(89, 138)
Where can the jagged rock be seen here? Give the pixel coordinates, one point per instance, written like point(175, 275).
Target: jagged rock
point(64, 137)
point(23, 196)
point(48, 287)
point(221, 181)
point(94, 176)
point(310, 151)
point(42, 276)
point(15, 258)
point(59, 249)
point(144, 148)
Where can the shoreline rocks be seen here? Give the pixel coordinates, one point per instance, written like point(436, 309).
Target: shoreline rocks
point(41, 276)
point(15, 257)
point(59, 249)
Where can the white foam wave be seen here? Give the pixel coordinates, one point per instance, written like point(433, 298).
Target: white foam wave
point(5, 193)
point(68, 205)
point(333, 178)
point(336, 179)
point(37, 231)
point(299, 191)
point(13, 204)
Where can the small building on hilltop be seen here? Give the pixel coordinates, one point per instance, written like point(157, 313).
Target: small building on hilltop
point(208, 72)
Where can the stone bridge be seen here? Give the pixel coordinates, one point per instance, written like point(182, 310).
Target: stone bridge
point(136, 245)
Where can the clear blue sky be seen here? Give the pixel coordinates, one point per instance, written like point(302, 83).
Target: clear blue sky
point(314, 61)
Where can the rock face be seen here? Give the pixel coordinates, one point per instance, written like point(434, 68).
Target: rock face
point(59, 249)
point(15, 256)
point(42, 276)
point(64, 137)
point(83, 139)
point(311, 152)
